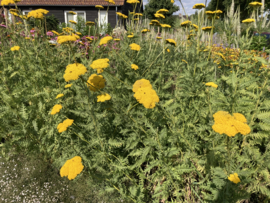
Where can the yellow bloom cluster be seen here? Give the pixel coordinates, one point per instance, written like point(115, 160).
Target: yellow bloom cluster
point(255, 4)
point(172, 1)
point(7, 2)
point(59, 95)
point(63, 126)
point(100, 64)
point(211, 84)
point(165, 25)
point(208, 28)
point(67, 38)
point(135, 47)
point(185, 23)
point(15, 48)
point(54, 32)
point(159, 15)
point(133, 1)
point(68, 29)
point(144, 93)
point(99, 7)
point(43, 11)
point(90, 23)
point(73, 22)
point(249, 20)
point(145, 30)
point(103, 97)
point(105, 40)
point(73, 71)
point(163, 10)
point(110, 1)
point(159, 37)
point(138, 14)
point(68, 85)
point(121, 15)
point(56, 109)
point(198, 6)
point(230, 125)
point(72, 168)
point(234, 178)
point(130, 36)
point(71, 12)
point(96, 82)
point(135, 67)
point(171, 41)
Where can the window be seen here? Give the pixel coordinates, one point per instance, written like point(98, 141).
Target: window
point(69, 16)
point(102, 18)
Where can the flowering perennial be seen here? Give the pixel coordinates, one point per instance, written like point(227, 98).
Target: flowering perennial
point(140, 84)
point(171, 41)
point(211, 84)
point(135, 67)
point(249, 20)
point(96, 82)
point(198, 6)
point(73, 71)
point(234, 178)
point(103, 97)
point(59, 95)
point(135, 47)
point(67, 38)
point(15, 48)
point(68, 85)
point(255, 4)
point(100, 64)
point(63, 126)
point(7, 2)
point(230, 125)
point(133, 1)
point(56, 109)
point(99, 7)
point(105, 40)
point(72, 168)
point(147, 97)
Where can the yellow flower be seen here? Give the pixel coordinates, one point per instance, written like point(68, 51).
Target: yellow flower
point(73, 71)
point(141, 84)
point(145, 30)
point(63, 126)
point(15, 48)
point(159, 37)
point(198, 6)
point(59, 95)
point(159, 15)
point(55, 32)
point(165, 25)
point(67, 38)
point(110, 1)
point(133, 1)
point(103, 97)
point(90, 23)
point(249, 20)
point(68, 85)
point(234, 178)
point(72, 168)
point(185, 23)
point(71, 12)
point(147, 97)
point(135, 47)
point(138, 14)
point(35, 14)
point(135, 67)
point(116, 39)
point(99, 7)
point(56, 109)
point(184, 61)
point(171, 41)
point(130, 36)
point(208, 28)
point(105, 40)
point(255, 4)
point(230, 125)
point(27, 38)
point(73, 22)
point(96, 82)
point(168, 50)
point(172, 1)
point(211, 84)
point(100, 64)
point(163, 10)
point(7, 2)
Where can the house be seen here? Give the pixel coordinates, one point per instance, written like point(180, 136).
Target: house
point(83, 8)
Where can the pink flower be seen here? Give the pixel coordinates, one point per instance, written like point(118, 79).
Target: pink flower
point(49, 33)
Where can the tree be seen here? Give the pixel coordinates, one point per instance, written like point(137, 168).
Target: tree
point(154, 5)
point(225, 4)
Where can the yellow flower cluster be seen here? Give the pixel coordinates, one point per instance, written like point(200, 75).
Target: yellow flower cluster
point(135, 47)
point(63, 126)
point(96, 82)
point(171, 41)
point(90, 23)
point(249, 20)
point(7, 2)
point(105, 40)
point(100, 64)
point(165, 25)
point(145, 94)
point(59, 95)
point(103, 97)
point(110, 1)
point(163, 10)
point(211, 84)
point(138, 14)
point(255, 4)
point(54, 32)
point(145, 30)
point(208, 28)
point(68, 29)
point(234, 178)
point(121, 15)
point(71, 12)
point(230, 125)
point(67, 38)
point(185, 23)
point(73, 22)
point(73, 71)
point(135, 67)
point(198, 6)
point(133, 1)
point(15, 48)
point(172, 1)
point(68, 85)
point(56, 109)
point(159, 15)
point(38, 13)
point(72, 168)
point(99, 7)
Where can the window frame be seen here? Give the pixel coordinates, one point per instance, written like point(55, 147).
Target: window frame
point(75, 16)
point(107, 13)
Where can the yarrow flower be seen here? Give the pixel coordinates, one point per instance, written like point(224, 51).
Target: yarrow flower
point(71, 12)
point(103, 97)
point(73, 22)
point(255, 4)
point(100, 64)
point(110, 1)
point(249, 20)
point(163, 10)
point(73, 71)
point(159, 15)
point(135, 67)
point(7, 2)
point(145, 30)
point(133, 1)
point(96, 82)
point(198, 6)
point(168, 50)
point(67, 38)
point(171, 41)
point(208, 28)
point(59, 95)
point(105, 40)
point(15, 48)
point(165, 25)
point(99, 7)
point(234, 178)
point(72, 168)
point(63, 126)
point(185, 23)
point(230, 125)
point(56, 109)
point(140, 84)
point(135, 47)
point(211, 84)
point(172, 1)
point(68, 85)
point(147, 97)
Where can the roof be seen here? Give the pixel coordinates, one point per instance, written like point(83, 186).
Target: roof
point(68, 3)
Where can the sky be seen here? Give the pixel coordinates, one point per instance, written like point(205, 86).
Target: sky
point(188, 4)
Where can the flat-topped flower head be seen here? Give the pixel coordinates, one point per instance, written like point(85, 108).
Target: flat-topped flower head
point(73, 71)
point(171, 41)
point(135, 67)
point(35, 14)
point(234, 178)
point(145, 30)
point(206, 29)
point(72, 168)
point(172, 1)
point(249, 20)
point(59, 96)
point(211, 84)
point(67, 38)
point(71, 12)
point(110, 1)
point(147, 97)
point(73, 22)
point(165, 25)
point(99, 7)
point(135, 47)
point(185, 23)
point(63, 126)
point(162, 11)
point(105, 40)
point(198, 6)
point(255, 4)
point(100, 64)
point(96, 82)
point(103, 97)
point(68, 85)
point(56, 109)
point(140, 84)
point(90, 23)
point(159, 15)
point(15, 48)
point(7, 2)
point(133, 1)
point(138, 14)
